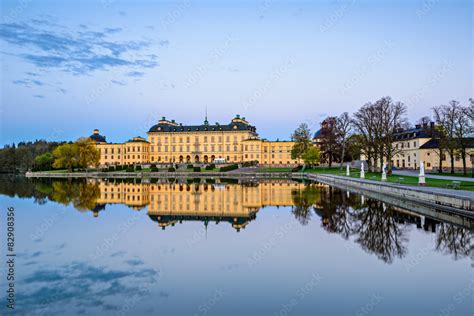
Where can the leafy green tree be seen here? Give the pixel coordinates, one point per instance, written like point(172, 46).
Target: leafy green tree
point(311, 156)
point(88, 154)
point(302, 138)
point(44, 161)
point(66, 156)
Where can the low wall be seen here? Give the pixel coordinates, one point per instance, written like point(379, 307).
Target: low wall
point(429, 196)
point(138, 175)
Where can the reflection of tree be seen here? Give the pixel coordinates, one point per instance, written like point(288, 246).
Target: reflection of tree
point(83, 195)
point(378, 232)
point(453, 240)
point(303, 201)
point(335, 212)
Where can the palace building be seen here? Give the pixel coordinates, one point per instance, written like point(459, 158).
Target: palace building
point(172, 142)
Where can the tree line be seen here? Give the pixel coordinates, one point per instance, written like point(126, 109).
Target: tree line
point(45, 156)
point(372, 130)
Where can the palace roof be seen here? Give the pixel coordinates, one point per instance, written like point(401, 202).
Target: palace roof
point(237, 124)
point(97, 137)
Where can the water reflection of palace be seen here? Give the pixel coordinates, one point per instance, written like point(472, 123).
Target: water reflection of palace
point(380, 225)
point(171, 203)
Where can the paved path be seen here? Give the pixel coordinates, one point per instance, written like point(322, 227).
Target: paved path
point(433, 176)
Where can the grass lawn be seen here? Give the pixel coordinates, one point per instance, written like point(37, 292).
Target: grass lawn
point(469, 174)
point(273, 170)
point(202, 170)
point(411, 180)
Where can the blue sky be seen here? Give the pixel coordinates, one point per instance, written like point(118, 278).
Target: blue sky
point(121, 65)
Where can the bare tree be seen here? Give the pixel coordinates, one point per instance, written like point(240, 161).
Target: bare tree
point(392, 118)
point(446, 118)
point(470, 109)
point(364, 124)
point(462, 129)
point(377, 124)
point(329, 140)
point(344, 128)
point(423, 121)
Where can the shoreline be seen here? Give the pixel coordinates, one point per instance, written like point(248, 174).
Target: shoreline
point(453, 201)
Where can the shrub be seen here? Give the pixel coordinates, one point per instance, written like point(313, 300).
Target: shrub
point(190, 167)
point(229, 168)
point(171, 169)
point(197, 169)
point(211, 166)
point(154, 168)
point(130, 168)
point(138, 168)
point(297, 168)
point(111, 168)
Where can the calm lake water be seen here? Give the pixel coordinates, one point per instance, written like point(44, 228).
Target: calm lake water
point(219, 247)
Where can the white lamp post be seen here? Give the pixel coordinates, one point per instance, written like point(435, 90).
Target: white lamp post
point(348, 172)
point(421, 176)
point(362, 172)
point(384, 172)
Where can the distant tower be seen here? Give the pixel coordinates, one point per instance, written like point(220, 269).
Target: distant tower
point(206, 122)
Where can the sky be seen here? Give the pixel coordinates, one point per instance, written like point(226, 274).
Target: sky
point(120, 66)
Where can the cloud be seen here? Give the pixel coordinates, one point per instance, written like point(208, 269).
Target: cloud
point(134, 262)
point(80, 287)
point(135, 74)
point(117, 254)
point(112, 30)
point(28, 82)
point(79, 52)
point(118, 82)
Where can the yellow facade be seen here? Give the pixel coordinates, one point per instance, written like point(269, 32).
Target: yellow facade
point(170, 142)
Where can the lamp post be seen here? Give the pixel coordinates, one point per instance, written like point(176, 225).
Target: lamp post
point(384, 172)
point(348, 172)
point(362, 172)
